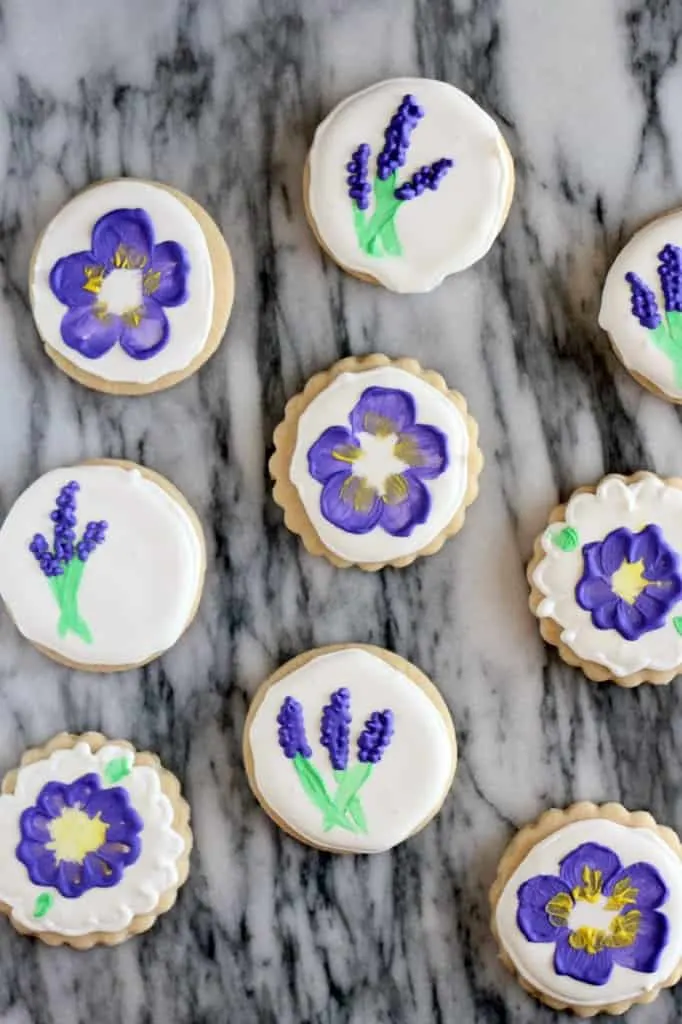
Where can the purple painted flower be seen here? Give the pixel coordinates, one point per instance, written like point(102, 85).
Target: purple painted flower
point(670, 275)
point(291, 732)
point(411, 453)
point(124, 257)
point(359, 187)
point(598, 913)
point(79, 836)
point(643, 302)
point(426, 177)
point(397, 137)
point(375, 737)
point(630, 581)
point(335, 728)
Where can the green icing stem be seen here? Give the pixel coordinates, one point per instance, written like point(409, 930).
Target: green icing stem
point(378, 236)
point(65, 590)
point(316, 791)
point(668, 338)
point(677, 623)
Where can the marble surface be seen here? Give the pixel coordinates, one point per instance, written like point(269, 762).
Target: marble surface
point(220, 99)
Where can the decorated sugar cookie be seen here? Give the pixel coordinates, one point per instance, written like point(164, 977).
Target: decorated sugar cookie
point(587, 908)
point(606, 579)
point(102, 565)
point(641, 307)
point(375, 462)
point(94, 841)
point(407, 183)
point(131, 287)
point(350, 749)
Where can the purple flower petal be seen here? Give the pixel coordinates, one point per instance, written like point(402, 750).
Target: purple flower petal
point(120, 853)
point(643, 884)
point(40, 863)
point(351, 504)
point(52, 798)
point(630, 621)
point(82, 790)
point(88, 334)
point(71, 880)
point(424, 449)
point(593, 591)
point(653, 604)
point(614, 551)
point(99, 873)
point(35, 825)
point(332, 453)
point(383, 411)
point(591, 856)
point(147, 337)
point(113, 807)
point(531, 916)
point(645, 952)
point(647, 545)
point(592, 968)
point(400, 513)
point(171, 264)
point(128, 233)
point(69, 277)
point(604, 616)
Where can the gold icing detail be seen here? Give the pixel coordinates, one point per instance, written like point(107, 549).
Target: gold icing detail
point(133, 317)
point(395, 489)
point(621, 933)
point(559, 908)
point(624, 893)
point(101, 311)
point(358, 492)
point(407, 450)
point(94, 279)
point(125, 258)
point(151, 281)
point(628, 581)
point(590, 890)
point(75, 834)
point(380, 426)
point(591, 940)
point(346, 453)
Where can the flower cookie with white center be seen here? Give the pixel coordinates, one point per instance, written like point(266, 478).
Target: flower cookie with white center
point(408, 182)
point(606, 579)
point(131, 287)
point(94, 841)
point(350, 749)
point(375, 462)
point(587, 908)
point(641, 307)
point(102, 565)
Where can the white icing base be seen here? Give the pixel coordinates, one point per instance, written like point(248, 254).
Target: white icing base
point(631, 340)
point(138, 588)
point(71, 231)
point(441, 232)
point(97, 910)
point(615, 504)
point(533, 960)
point(332, 408)
point(406, 786)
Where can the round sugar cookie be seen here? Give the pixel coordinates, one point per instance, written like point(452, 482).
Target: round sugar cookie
point(606, 579)
point(94, 841)
point(587, 908)
point(350, 749)
point(375, 462)
point(408, 182)
point(102, 565)
point(131, 286)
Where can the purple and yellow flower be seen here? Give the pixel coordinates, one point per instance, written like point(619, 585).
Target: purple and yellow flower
point(630, 581)
point(117, 290)
point(597, 913)
point(382, 425)
point(79, 836)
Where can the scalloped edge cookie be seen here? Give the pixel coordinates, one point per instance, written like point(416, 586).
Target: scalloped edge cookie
point(286, 495)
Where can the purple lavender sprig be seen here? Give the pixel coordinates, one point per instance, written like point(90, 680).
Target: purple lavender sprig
point(63, 565)
point(335, 728)
point(397, 137)
point(426, 177)
point(375, 737)
point(291, 732)
point(670, 274)
point(643, 302)
point(665, 327)
point(358, 170)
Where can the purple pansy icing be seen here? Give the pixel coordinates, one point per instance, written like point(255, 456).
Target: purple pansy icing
point(352, 502)
point(122, 243)
point(79, 836)
point(630, 581)
point(632, 932)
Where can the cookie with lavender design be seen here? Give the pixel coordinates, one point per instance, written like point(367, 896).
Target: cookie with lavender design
point(350, 749)
point(94, 841)
point(587, 908)
point(641, 308)
point(103, 565)
point(606, 579)
point(131, 286)
point(375, 462)
point(408, 182)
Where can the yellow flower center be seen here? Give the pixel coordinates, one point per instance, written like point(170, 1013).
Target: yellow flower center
point(74, 834)
point(628, 581)
point(595, 921)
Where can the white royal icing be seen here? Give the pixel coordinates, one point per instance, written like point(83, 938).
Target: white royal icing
point(534, 960)
point(138, 588)
point(332, 407)
point(632, 341)
point(98, 909)
point(441, 232)
point(71, 232)
point(615, 504)
point(405, 787)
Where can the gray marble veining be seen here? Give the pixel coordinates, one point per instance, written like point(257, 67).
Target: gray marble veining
point(220, 99)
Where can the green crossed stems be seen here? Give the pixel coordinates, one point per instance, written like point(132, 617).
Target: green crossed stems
point(668, 337)
point(65, 589)
point(344, 809)
point(376, 234)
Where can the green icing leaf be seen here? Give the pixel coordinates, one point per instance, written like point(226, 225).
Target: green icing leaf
point(566, 539)
point(43, 904)
point(677, 623)
point(116, 770)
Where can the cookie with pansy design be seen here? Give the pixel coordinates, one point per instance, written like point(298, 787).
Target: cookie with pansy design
point(587, 908)
point(94, 841)
point(375, 462)
point(131, 287)
point(606, 579)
